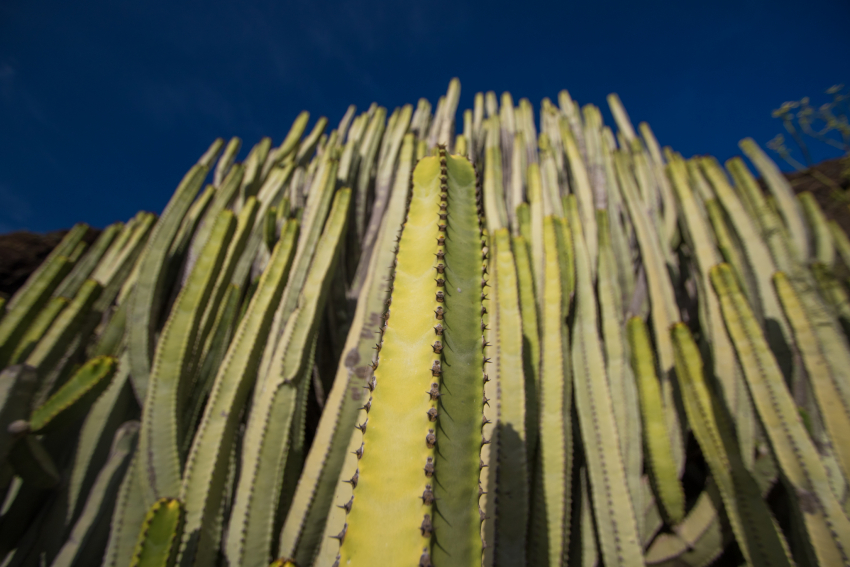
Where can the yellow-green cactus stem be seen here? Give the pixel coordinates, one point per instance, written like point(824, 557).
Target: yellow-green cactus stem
point(551, 523)
point(390, 478)
point(75, 397)
point(312, 504)
point(397, 454)
point(157, 544)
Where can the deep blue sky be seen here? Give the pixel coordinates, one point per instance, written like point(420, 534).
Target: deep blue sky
point(104, 105)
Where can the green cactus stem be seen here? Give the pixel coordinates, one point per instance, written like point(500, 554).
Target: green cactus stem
point(160, 534)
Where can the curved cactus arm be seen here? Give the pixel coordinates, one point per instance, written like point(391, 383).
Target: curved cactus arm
point(828, 382)
point(612, 503)
point(107, 412)
point(20, 316)
point(348, 159)
point(551, 529)
point(206, 469)
point(552, 192)
point(304, 526)
point(826, 525)
point(75, 397)
point(225, 161)
point(160, 534)
point(759, 537)
point(118, 270)
point(293, 137)
point(513, 484)
point(252, 260)
point(101, 498)
point(209, 157)
point(621, 117)
point(83, 269)
point(773, 232)
point(236, 247)
point(728, 244)
point(44, 277)
point(619, 224)
point(789, 208)
point(159, 441)
point(150, 287)
point(253, 522)
point(308, 145)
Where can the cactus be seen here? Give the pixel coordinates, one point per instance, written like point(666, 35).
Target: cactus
point(386, 375)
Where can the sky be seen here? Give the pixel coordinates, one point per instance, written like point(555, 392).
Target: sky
point(105, 105)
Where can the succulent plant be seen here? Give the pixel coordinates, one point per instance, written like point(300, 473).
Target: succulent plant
point(524, 344)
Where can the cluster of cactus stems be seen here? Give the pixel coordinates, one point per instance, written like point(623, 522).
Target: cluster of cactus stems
point(568, 347)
